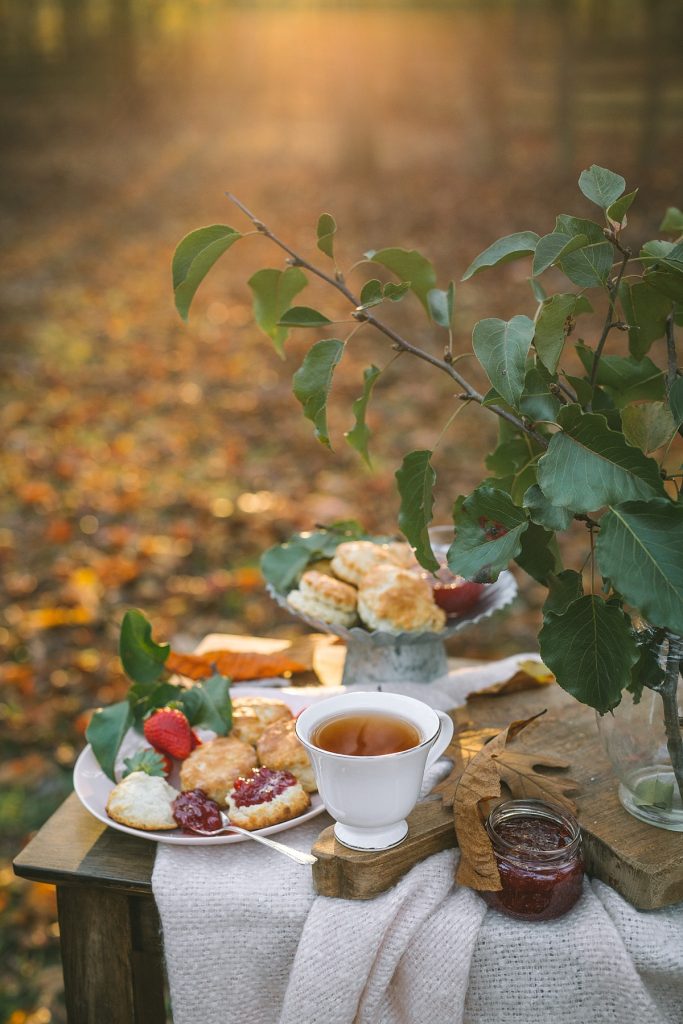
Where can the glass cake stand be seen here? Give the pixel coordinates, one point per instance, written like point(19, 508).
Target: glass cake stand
point(373, 656)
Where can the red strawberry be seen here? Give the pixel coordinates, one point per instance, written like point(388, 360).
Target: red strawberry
point(196, 742)
point(168, 730)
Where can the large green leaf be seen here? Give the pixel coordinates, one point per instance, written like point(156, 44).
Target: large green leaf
point(501, 346)
point(488, 534)
point(626, 379)
point(553, 323)
point(537, 556)
point(208, 705)
point(648, 425)
point(313, 380)
point(587, 465)
point(551, 247)
point(521, 243)
point(589, 266)
point(195, 254)
point(408, 265)
point(646, 311)
point(273, 292)
point(304, 316)
point(143, 660)
point(326, 230)
point(640, 548)
point(441, 305)
point(537, 401)
point(601, 186)
point(563, 589)
point(105, 734)
point(590, 649)
point(673, 221)
point(282, 564)
point(543, 512)
point(359, 434)
point(567, 225)
point(416, 479)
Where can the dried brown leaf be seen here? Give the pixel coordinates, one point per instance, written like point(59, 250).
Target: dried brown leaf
point(466, 743)
point(244, 665)
point(518, 771)
point(529, 675)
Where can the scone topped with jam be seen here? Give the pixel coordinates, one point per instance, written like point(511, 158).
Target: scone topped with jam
point(265, 797)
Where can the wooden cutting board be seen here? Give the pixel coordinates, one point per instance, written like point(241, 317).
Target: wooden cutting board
point(643, 863)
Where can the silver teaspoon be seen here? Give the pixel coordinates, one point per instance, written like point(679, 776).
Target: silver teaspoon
point(300, 858)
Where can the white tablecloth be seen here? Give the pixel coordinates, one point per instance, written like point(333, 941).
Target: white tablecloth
point(247, 940)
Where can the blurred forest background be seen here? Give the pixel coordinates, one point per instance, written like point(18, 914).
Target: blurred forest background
point(147, 463)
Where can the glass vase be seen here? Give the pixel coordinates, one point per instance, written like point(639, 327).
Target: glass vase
point(644, 742)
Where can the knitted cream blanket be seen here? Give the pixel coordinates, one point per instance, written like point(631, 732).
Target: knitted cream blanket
point(247, 940)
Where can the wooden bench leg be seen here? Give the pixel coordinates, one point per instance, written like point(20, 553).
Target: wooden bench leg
point(111, 957)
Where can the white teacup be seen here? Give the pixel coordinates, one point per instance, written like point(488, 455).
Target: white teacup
point(370, 797)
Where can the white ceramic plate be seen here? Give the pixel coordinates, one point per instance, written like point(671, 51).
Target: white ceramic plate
point(93, 787)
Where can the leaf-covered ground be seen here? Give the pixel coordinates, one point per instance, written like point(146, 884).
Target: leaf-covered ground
point(147, 463)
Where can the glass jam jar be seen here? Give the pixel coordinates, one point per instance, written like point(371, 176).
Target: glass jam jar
point(538, 851)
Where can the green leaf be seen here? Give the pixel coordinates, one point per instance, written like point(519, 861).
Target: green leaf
point(616, 212)
point(552, 246)
point(273, 292)
point(536, 557)
point(303, 316)
point(589, 266)
point(210, 706)
point(626, 379)
point(667, 280)
point(105, 734)
point(502, 347)
point(416, 479)
point(408, 265)
point(313, 380)
point(193, 259)
point(587, 465)
point(590, 649)
point(371, 294)
point(675, 399)
point(537, 288)
point(143, 660)
point(537, 401)
point(601, 186)
point(563, 589)
point(488, 534)
point(673, 221)
point(543, 512)
point(640, 548)
point(647, 671)
point(655, 251)
point(521, 243)
point(146, 760)
point(441, 305)
point(359, 434)
point(647, 425)
point(144, 698)
point(655, 792)
point(646, 311)
point(326, 230)
point(282, 564)
point(568, 225)
point(395, 292)
point(553, 324)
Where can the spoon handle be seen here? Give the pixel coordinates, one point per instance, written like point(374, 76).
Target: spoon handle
point(297, 855)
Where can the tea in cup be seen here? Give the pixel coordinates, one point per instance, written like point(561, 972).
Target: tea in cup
point(370, 751)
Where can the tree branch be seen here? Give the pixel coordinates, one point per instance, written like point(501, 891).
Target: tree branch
point(610, 322)
point(671, 359)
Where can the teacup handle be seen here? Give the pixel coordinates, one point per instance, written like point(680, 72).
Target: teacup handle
point(443, 739)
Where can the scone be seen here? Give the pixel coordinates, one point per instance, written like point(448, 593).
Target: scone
point(251, 715)
point(265, 797)
point(402, 554)
point(143, 801)
point(280, 748)
point(325, 598)
point(215, 765)
point(397, 601)
point(355, 558)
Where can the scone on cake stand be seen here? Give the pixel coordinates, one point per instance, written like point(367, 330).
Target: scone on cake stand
point(403, 638)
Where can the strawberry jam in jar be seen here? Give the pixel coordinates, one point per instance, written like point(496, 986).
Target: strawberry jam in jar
point(537, 847)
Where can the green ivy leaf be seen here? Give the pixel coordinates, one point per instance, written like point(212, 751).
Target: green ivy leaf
point(502, 347)
point(408, 265)
point(143, 660)
point(488, 534)
point(273, 292)
point(587, 465)
point(648, 425)
point(359, 434)
point(563, 589)
point(195, 254)
point(371, 294)
point(512, 247)
point(303, 316)
point(416, 479)
point(313, 380)
point(646, 311)
point(675, 399)
point(441, 305)
point(640, 548)
point(601, 186)
point(208, 705)
point(543, 512)
point(626, 379)
point(326, 230)
point(551, 247)
point(553, 323)
point(105, 734)
point(616, 211)
point(590, 649)
point(673, 221)
point(537, 557)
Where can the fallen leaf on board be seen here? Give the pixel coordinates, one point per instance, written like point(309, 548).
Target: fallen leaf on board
point(467, 741)
point(528, 676)
point(243, 665)
point(518, 770)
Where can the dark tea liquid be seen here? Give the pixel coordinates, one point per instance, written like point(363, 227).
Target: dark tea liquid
point(366, 734)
